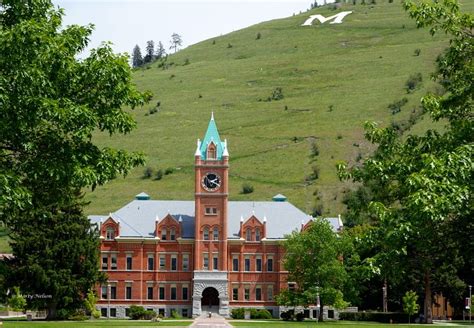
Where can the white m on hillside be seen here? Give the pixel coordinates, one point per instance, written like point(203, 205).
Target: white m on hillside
point(336, 19)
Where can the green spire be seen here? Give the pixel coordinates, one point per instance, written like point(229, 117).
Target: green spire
point(212, 136)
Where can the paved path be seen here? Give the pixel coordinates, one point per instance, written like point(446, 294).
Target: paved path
point(216, 321)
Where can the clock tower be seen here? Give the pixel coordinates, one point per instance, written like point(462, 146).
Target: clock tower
point(211, 161)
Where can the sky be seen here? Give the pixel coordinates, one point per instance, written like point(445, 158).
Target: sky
point(129, 22)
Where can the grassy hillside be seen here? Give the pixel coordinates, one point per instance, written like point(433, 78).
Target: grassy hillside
point(333, 78)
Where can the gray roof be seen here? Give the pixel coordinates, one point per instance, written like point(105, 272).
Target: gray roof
point(137, 218)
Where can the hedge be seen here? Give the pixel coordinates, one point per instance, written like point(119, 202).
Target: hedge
point(239, 313)
point(384, 317)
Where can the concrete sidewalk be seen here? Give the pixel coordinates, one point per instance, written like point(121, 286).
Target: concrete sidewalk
point(216, 321)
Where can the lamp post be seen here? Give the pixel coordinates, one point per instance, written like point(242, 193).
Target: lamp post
point(384, 298)
point(109, 292)
point(470, 303)
point(318, 304)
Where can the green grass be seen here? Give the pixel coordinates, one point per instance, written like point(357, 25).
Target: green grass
point(327, 324)
point(94, 323)
point(357, 67)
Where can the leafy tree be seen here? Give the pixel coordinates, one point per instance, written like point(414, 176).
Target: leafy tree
point(410, 305)
point(50, 104)
point(137, 59)
point(313, 260)
point(160, 50)
point(427, 180)
point(150, 52)
point(176, 41)
point(90, 302)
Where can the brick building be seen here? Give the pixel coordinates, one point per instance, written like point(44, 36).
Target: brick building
point(210, 254)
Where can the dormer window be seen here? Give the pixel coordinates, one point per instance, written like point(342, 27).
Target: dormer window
point(211, 151)
point(172, 234)
point(248, 235)
point(163, 234)
point(257, 234)
point(110, 233)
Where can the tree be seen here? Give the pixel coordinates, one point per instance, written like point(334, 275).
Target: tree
point(137, 59)
point(160, 50)
point(313, 260)
point(175, 41)
point(50, 104)
point(410, 305)
point(428, 179)
point(150, 52)
point(17, 302)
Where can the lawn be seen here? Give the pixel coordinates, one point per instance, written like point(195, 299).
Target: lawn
point(94, 323)
point(336, 324)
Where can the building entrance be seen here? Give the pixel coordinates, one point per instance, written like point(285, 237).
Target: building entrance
point(210, 300)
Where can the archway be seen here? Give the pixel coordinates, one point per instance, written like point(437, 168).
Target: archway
point(210, 299)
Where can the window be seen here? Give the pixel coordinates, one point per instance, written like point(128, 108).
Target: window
point(215, 261)
point(216, 233)
point(149, 292)
point(235, 263)
point(113, 292)
point(185, 262)
point(103, 312)
point(172, 234)
point(184, 313)
point(258, 264)
point(161, 312)
point(173, 292)
point(162, 262)
point(270, 264)
point(211, 151)
point(174, 263)
point(257, 234)
point(163, 233)
point(128, 292)
point(270, 293)
point(184, 292)
point(258, 293)
point(129, 262)
point(235, 294)
point(247, 293)
point(110, 234)
point(161, 292)
point(248, 236)
point(105, 262)
point(113, 312)
point(151, 263)
point(113, 261)
point(103, 292)
point(127, 312)
point(247, 263)
point(205, 263)
point(206, 234)
point(211, 211)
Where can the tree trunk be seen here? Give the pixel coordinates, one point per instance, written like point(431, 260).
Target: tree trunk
point(51, 311)
point(321, 312)
point(428, 302)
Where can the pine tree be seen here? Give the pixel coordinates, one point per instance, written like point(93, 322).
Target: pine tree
point(175, 41)
point(150, 52)
point(160, 50)
point(137, 59)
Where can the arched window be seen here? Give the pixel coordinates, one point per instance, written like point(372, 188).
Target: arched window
point(172, 234)
point(206, 233)
point(110, 233)
point(248, 236)
point(216, 233)
point(163, 233)
point(257, 234)
point(211, 151)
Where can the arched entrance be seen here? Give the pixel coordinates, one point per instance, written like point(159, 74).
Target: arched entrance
point(210, 299)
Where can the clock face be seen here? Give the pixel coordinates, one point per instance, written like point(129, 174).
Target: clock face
point(211, 181)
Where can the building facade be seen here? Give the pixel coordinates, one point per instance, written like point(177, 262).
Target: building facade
point(210, 254)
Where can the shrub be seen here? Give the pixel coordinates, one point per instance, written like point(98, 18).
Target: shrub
point(237, 313)
point(175, 315)
point(148, 173)
point(169, 170)
point(137, 312)
point(159, 174)
point(229, 45)
point(413, 81)
point(417, 51)
point(262, 314)
point(213, 42)
point(259, 36)
point(78, 315)
point(277, 94)
point(339, 137)
point(384, 317)
point(300, 316)
point(247, 188)
point(149, 315)
point(96, 314)
point(186, 62)
point(396, 106)
point(17, 302)
point(314, 149)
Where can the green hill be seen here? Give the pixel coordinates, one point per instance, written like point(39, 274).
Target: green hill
point(333, 78)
